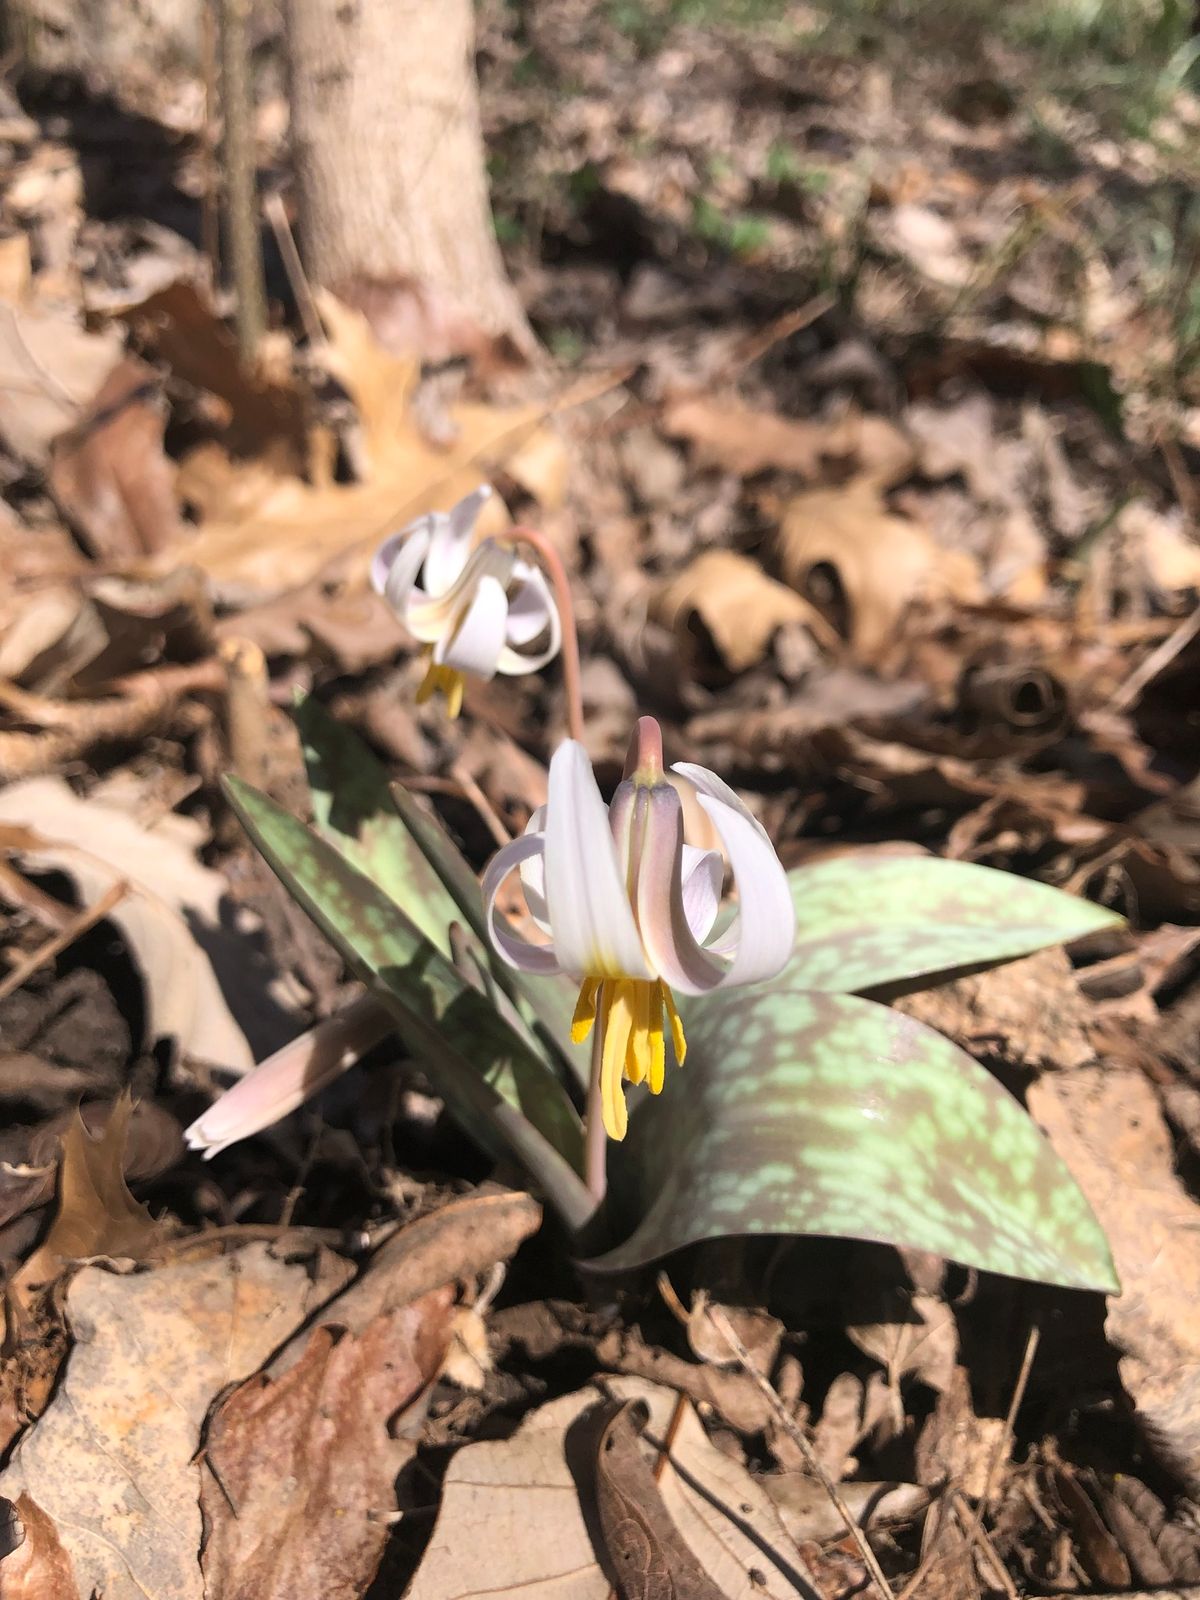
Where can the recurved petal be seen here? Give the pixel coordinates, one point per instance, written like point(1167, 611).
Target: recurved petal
point(595, 934)
point(516, 951)
point(766, 918)
point(533, 875)
point(396, 564)
point(531, 613)
point(703, 874)
point(708, 783)
point(450, 545)
point(475, 643)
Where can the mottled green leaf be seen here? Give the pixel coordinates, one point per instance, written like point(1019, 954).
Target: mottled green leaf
point(811, 1113)
point(353, 808)
point(379, 943)
point(867, 920)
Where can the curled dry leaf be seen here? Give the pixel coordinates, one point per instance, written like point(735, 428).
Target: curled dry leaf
point(529, 1483)
point(645, 1551)
point(112, 1460)
point(1107, 1125)
point(299, 1468)
point(172, 917)
point(884, 564)
point(739, 605)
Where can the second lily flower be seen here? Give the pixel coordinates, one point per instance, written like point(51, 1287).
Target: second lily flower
point(629, 909)
point(477, 607)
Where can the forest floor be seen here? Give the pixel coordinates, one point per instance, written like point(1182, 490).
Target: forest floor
point(869, 431)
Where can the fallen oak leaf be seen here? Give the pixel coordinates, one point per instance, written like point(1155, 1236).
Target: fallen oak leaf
point(746, 442)
point(884, 563)
point(739, 605)
point(649, 1559)
point(96, 1215)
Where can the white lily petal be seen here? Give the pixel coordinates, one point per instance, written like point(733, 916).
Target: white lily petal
point(703, 875)
point(516, 951)
point(595, 934)
point(766, 918)
point(533, 875)
point(531, 612)
point(475, 642)
point(708, 783)
point(396, 564)
point(450, 547)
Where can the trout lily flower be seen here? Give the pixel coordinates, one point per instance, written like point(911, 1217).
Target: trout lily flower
point(628, 907)
point(476, 607)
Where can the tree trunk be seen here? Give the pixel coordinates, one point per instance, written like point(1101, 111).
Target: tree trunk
point(390, 160)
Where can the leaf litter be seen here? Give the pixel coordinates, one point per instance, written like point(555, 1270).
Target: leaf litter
point(919, 567)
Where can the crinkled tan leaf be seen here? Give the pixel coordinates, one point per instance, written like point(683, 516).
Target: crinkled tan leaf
point(112, 1462)
point(528, 1531)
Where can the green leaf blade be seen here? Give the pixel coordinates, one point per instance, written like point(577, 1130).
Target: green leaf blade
point(353, 809)
point(378, 943)
point(809, 1113)
point(863, 921)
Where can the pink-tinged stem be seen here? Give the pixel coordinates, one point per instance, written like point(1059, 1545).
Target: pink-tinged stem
point(595, 1150)
point(557, 573)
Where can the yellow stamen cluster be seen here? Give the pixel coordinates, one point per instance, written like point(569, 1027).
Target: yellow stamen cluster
point(450, 681)
point(629, 1014)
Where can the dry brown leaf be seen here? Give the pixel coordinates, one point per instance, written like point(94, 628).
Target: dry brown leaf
point(915, 1334)
point(738, 439)
point(49, 371)
point(264, 532)
point(109, 471)
point(266, 415)
point(956, 1446)
point(1159, 548)
point(29, 1156)
point(1107, 1125)
point(38, 1568)
point(884, 563)
point(740, 606)
point(299, 1469)
point(645, 1551)
point(529, 1533)
point(95, 1215)
point(112, 1460)
point(171, 894)
point(807, 1511)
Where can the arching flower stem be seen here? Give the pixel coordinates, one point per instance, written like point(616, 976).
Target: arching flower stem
point(552, 562)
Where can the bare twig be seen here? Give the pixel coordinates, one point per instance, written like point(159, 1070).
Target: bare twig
point(796, 1433)
point(210, 202)
point(241, 194)
point(1130, 691)
point(297, 277)
point(79, 925)
point(482, 804)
